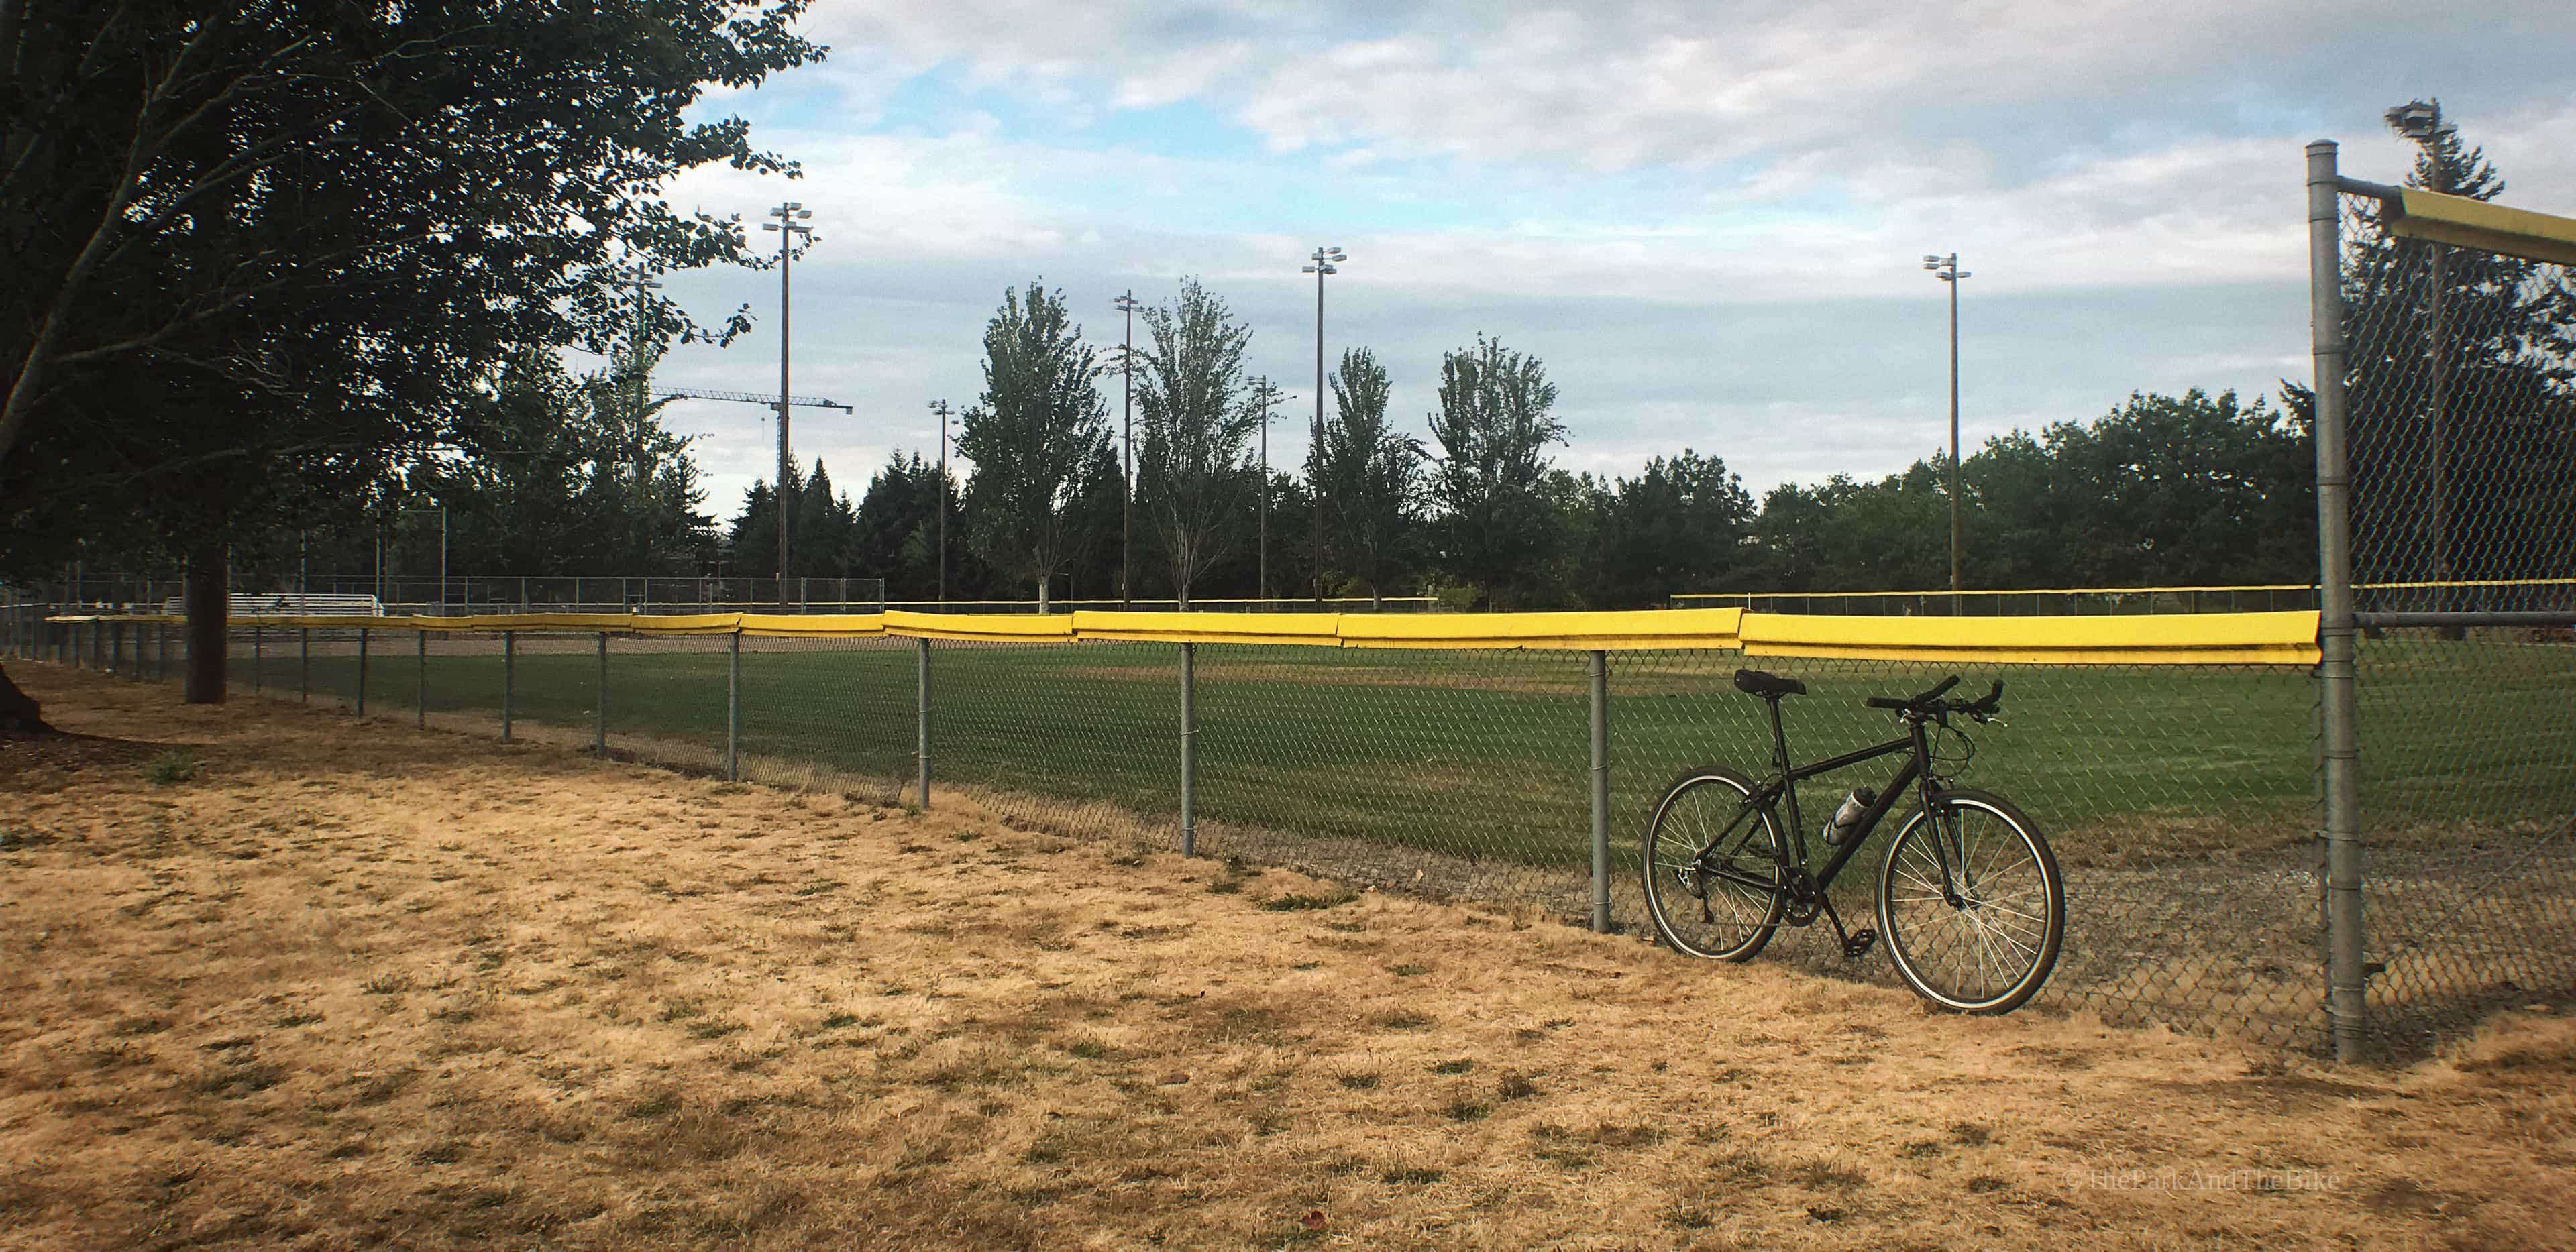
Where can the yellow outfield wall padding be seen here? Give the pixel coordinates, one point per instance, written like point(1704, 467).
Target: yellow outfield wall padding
point(2283, 638)
point(330, 622)
point(813, 625)
point(693, 623)
point(613, 623)
point(2278, 638)
point(2479, 224)
point(1580, 632)
point(1318, 629)
point(973, 627)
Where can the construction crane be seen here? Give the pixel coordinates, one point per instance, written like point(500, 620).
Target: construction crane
point(747, 397)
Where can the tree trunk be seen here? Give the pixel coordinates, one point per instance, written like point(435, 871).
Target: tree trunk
point(19, 712)
point(1042, 594)
point(209, 621)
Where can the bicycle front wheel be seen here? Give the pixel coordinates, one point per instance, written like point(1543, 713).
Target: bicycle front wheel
point(1712, 867)
point(1971, 904)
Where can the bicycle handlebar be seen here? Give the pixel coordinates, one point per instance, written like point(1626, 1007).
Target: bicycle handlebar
point(1915, 702)
point(1930, 703)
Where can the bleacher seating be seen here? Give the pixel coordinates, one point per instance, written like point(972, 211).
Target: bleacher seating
point(291, 604)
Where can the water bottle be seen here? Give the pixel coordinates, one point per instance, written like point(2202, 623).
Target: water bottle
point(1848, 816)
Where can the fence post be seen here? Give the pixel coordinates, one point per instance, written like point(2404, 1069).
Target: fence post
point(116, 649)
point(362, 672)
point(922, 754)
point(258, 642)
point(1189, 750)
point(509, 673)
point(2347, 990)
point(1600, 793)
point(733, 706)
point(420, 684)
point(303, 663)
point(161, 653)
point(599, 732)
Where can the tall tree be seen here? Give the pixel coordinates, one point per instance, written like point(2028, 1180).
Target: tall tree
point(1194, 467)
point(2462, 398)
point(1369, 476)
point(1494, 427)
point(259, 251)
point(553, 475)
point(1039, 426)
point(1681, 523)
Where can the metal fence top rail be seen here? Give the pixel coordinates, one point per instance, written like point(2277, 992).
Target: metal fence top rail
point(2273, 638)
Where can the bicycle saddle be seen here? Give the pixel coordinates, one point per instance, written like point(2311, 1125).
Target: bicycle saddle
point(1768, 686)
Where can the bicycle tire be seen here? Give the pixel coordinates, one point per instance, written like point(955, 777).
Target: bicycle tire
point(1679, 880)
point(1988, 928)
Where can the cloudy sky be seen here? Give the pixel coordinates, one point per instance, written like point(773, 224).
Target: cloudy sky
point(1707, 218)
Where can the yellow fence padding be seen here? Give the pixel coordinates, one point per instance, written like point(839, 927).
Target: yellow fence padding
point(1319, 629)
point(488, 623)
point(2287, 638)
point(703, 623)
point(986, 627)
point(2480, 224)
point(812, 625)
point(1641, 628)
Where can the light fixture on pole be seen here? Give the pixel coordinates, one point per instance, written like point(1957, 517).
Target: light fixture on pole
point(791, 217)
point(940, 407)
point(2421, 121)
point(1127, 303)
point(1323, 262)
point(1946, 268)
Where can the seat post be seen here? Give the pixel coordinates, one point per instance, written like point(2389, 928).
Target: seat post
point(1779, 736)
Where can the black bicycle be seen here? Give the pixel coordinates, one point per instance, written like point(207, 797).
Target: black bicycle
point(1969, 898)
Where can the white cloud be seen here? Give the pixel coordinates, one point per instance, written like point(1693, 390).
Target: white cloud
point(2123, 178)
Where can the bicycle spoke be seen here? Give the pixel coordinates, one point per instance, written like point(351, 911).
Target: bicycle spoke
point(1705, 854)
point(1984, 934)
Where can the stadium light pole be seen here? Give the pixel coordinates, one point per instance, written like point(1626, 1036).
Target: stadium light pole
point(1946, 268)
point(639, 364)
point(791, 217)
point(1323, 262)
point(940, 407)
point(2421, 121)
point(1264, 392)
point(1127, 303)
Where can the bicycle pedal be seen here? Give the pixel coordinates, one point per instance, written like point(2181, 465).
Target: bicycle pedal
point(1858, 944)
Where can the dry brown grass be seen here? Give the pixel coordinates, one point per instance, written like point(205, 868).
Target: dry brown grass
point(370, 987)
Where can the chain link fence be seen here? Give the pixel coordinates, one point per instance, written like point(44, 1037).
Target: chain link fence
point(2375, 851)
point(2181, 799)
point(2460, 393)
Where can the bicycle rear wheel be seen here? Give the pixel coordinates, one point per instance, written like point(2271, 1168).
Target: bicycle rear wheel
point(1704, 828)
point(1982, 936)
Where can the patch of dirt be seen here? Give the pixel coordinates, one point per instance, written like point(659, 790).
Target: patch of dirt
point(363, 985)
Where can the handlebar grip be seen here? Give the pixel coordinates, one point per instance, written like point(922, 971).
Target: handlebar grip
point(1936, 693)
point(1882, 702)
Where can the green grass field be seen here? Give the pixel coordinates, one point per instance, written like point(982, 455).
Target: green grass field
point(1485, 754)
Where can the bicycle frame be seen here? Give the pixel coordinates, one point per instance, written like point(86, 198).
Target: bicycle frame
point(1782, 785)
